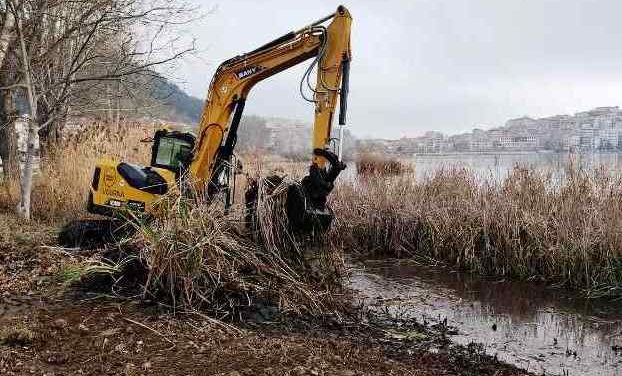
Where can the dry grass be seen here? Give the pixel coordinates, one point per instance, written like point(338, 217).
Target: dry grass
point(196, 256)
point(62, 181)
point(375, 164)
point(526, 227)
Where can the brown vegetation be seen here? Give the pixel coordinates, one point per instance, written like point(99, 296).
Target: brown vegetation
point(197, 257)
point(529, 226)
point(61, 187)
point(374, 164)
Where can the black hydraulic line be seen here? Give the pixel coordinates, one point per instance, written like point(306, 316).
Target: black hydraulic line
point(289, 36)
point(232, 135)
point(324, 19)
point(226, 150)
point(345, 88)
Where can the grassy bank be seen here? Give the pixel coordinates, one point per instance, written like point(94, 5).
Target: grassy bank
point(527, 227)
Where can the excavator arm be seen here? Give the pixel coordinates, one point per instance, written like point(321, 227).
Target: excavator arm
point(206, 159)
point(329, 46)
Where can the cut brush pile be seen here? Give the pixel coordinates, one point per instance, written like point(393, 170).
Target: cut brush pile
point(197, 256)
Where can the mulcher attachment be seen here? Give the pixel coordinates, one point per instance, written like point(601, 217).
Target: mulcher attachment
point(306, 206)
point(306, 203)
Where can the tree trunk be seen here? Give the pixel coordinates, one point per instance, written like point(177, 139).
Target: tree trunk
point(6, 34)
point(8, 113)
point(23, 208)
point(8, 138)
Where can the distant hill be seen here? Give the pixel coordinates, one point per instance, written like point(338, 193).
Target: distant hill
point(155, 97)
point(185, 107)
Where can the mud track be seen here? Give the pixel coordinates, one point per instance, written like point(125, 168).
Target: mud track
point(48, 328)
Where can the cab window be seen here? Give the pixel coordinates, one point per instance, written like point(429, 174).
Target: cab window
point(172, 152)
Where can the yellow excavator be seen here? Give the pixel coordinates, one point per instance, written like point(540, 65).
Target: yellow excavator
point(204, 162)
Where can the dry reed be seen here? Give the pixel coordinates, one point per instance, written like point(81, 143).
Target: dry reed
point(528, 226)
point(375, 164)
point(197, 256)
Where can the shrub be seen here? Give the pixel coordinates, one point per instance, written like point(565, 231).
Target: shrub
point(373, 164)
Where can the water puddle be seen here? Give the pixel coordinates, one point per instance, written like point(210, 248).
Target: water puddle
point(536, 328)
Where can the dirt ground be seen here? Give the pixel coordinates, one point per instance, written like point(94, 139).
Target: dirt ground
point(46, 328)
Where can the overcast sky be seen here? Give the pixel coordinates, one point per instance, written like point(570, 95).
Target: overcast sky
point(420, 65)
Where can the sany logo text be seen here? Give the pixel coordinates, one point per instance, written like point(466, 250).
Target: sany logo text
point(243, 73)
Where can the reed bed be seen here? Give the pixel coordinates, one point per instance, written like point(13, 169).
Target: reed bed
point(194, 255)
point(376, 164)
point(528, 226)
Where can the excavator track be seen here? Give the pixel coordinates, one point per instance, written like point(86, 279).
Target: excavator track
point(93, 233)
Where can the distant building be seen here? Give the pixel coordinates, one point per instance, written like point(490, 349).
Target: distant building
point(597, 129)
point(287, 136)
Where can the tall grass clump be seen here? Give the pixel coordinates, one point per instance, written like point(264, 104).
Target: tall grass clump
point(529, 226)
point(375, 164)
point(198, 256)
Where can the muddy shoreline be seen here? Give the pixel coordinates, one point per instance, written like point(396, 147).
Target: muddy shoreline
point(102, 336)
point(537, 327)
point(49, 328)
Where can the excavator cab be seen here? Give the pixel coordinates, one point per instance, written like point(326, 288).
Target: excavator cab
point(119, 186)
point(172, 150)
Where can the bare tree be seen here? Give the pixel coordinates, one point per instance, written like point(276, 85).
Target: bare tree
point(70, 47)
point(8, 137)
point(95, 43)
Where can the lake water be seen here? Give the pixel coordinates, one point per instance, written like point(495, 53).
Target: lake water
point(540, 329)
point(497, 166)
point(536, 328)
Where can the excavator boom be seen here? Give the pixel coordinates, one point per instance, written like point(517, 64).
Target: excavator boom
point(330, 46)
point(181, 160)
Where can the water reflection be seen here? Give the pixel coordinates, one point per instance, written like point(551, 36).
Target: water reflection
point(537, 328)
